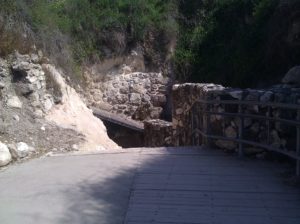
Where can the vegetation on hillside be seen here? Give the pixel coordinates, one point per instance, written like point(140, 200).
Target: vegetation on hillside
point(223, 41)
point(92, 24)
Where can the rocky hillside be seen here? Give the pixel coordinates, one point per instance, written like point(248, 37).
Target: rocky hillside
point(124, 56)
point(40, 112)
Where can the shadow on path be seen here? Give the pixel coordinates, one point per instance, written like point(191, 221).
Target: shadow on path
point(143, 186)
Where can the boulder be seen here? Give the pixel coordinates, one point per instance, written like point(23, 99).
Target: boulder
point(292, 76)
point(5, 156)
point(19, 150)
point(22, 150)
point(14, 102)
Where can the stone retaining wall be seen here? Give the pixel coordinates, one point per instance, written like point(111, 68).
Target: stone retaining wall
point(157, 133)
point(281, 136)
point(137, 95)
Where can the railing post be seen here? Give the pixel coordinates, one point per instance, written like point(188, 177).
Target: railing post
point(207, 119)
point(268, 126)
point(241, 129)
point(191, 115)
point(298, 146)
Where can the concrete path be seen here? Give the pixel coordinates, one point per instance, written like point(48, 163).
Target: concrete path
point(143, 186)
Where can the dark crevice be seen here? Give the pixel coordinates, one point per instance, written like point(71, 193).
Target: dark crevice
point(18, 76)
point(124, 137)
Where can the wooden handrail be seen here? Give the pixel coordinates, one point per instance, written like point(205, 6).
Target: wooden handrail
point(118, 119)
point(207, 112)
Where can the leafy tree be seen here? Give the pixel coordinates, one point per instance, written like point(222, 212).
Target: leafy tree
point(226, 38)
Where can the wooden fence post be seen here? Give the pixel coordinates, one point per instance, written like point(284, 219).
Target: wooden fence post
point(241, 129)
point(298, 146)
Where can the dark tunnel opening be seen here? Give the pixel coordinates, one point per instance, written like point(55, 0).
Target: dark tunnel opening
point(123, 136)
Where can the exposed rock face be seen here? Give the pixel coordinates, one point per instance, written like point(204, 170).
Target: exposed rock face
point(24, 78)
point(137, 95)
point(29, 94)
point(72, 113)
point(5, 156)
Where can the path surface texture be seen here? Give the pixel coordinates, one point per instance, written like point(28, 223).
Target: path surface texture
point(143, 186)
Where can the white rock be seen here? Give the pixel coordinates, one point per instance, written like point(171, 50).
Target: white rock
point(5, 156)
point(43, 128)
point(22, 149)
point(14, 102)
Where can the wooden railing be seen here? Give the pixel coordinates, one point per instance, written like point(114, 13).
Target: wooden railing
point(202, 110)
point(118, 119)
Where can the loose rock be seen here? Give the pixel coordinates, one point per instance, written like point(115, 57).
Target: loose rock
point(5, 156)
point(14, 102)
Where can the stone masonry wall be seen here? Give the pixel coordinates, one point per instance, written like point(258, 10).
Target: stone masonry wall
point(281, 136)
point(158, 133)
point(140, 96)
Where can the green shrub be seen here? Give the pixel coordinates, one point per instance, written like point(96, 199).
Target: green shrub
point(86, 21)
point(228, 40)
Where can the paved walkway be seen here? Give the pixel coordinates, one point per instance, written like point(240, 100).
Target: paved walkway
point(143, 186)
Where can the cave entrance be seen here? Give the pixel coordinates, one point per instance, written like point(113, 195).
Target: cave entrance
point(124, 131)
point(123, 136)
